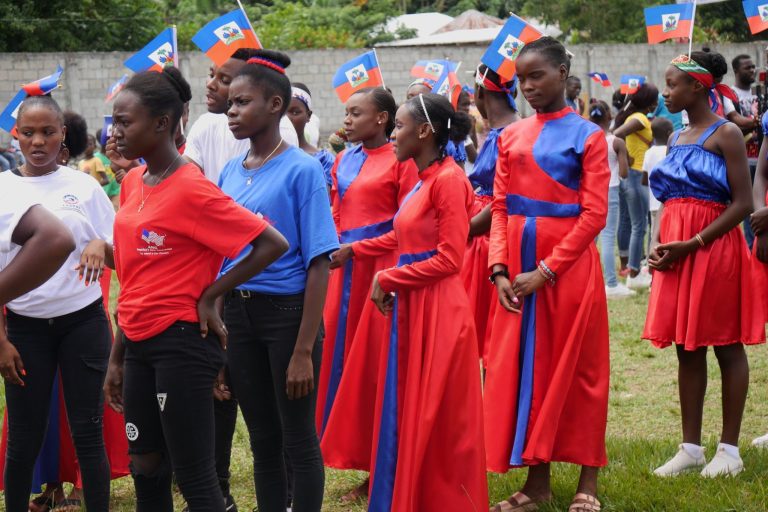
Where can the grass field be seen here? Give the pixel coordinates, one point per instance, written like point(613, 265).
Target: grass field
point(643, 431)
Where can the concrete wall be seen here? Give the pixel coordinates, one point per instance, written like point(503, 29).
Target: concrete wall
point(87, 75)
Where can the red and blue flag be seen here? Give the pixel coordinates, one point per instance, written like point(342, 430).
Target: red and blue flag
point(448, 85)
point(600, 78)
point(158, 54)
point(757, 14)
point(116, 87)
point(431, 69)
point(631, 83)
point(669, 22)
point(44, 85)
point(359, 73)
point(11, 110)
point(223, 36)
point(503, 51)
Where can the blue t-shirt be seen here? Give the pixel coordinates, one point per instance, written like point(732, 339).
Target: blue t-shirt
point(290, 192)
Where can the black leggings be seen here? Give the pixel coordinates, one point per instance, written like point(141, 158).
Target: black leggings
point(262, 337)
point(78, 345)
point(168, 399)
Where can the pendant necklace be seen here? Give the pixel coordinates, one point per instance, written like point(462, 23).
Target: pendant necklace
point(250, 178)
point(143, 200)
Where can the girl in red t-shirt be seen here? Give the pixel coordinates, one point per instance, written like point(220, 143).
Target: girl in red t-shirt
point(172, 232)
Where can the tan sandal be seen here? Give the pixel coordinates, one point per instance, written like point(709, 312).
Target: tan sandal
point(583, 502)
point(518, 502)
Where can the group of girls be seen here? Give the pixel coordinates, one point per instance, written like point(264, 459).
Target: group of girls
point(281, 282)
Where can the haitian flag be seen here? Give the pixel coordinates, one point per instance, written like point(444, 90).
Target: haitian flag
point(159, 53)
point(503, 51)
point(106, 130)
point(631, 83)
point(431, 69)
point(8, 115)
point(116, 87)
point(600, 78)
point(44, 85)
point(448, 85)
point(361, 72)
point(669, 22)
point(757, 14)
point(223, 36)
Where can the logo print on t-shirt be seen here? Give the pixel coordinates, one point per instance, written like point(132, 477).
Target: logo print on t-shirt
point(70, 199)
point(131, 431)
point(152, 238)
point(156, 243)
point(161, 400)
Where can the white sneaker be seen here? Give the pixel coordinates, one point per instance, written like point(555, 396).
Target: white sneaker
point(618, 292)
point(760, 442)
point(640, 281)
point(723, 464)
point(682, 461)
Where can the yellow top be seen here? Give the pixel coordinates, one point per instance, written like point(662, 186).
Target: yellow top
point(639, 141)
point(95, 167)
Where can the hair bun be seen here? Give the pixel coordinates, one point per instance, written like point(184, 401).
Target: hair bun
point(176, 79)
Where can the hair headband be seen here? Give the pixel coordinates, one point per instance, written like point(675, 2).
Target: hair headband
point(508, 88)
point(261, 61)
point(703, 76)
point(426, 82)
point(426, 114)
point(302, 96)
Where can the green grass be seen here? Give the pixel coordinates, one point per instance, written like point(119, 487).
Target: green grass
point(643, 431)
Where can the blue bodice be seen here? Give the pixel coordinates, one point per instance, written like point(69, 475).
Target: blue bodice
point(457, 151)
point(690, 171)
point(484, 171)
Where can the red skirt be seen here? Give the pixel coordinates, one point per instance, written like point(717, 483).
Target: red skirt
point(474, 273)
point(709, 298)
point(428, 439)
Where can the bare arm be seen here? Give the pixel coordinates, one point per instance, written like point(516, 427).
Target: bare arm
point(480, 223)
point(620, 147)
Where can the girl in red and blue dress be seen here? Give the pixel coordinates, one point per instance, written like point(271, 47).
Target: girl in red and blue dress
point(428, 438)
point(369, 183)
point(495, 100)
point(549, 361)
point(699, 254)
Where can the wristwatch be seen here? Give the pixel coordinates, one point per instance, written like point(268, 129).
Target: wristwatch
point(498, 273)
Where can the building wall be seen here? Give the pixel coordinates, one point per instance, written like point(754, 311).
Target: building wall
point(87, 75)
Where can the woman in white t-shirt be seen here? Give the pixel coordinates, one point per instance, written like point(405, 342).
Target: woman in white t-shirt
point(618, 162)
point(62, 323)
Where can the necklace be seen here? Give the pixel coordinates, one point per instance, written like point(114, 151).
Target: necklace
point(27, 174)
point(143, 200)
point(250, 178)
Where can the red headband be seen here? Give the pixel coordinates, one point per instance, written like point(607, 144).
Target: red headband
point(261, 61)
point(702, 75)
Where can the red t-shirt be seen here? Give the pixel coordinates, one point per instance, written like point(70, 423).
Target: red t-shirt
point(167, 254)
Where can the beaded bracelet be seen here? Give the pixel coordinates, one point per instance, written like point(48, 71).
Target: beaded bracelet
point(550, 276)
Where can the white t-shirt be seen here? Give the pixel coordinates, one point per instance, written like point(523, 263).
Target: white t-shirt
point(613, 161)
point(653, 156)
point(210, 143)
point(80, 202)
point(12, 208)
point(312, 130)
point(746, 101)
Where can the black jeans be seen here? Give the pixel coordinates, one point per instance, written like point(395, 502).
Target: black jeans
point(168, 399)
point(262, 337)
point(78, 344)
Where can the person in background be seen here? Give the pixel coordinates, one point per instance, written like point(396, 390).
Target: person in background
point(113, 187)
point(572, 94)
point(632, 125)
point(470, 143)
point(662, 129)
point(92, 164)
point(419, 86)
point(312, 129)
point(618, 162)
point(661, 111)
point(300, 113)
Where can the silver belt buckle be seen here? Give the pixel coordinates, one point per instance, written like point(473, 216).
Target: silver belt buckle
point(245, 294)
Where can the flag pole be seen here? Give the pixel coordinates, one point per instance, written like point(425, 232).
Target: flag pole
point(240, 4)
point(690, 36)
point(175, 47)
point(376, 56)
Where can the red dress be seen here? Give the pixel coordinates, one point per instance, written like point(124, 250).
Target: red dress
point(367, 188)
point(428, 438)
point(710, 297)
point(57, 461)
point(546, 388)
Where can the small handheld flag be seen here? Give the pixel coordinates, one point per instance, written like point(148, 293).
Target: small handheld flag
point(431, 69)
point(669, 22)
point(448, 85)
point(158, 54)
point(631, 83)
point(757, 14)
point(600, 78)
point(106, 130)
point(223, 36)
point(44, 85)
point(11, 110)
point(361, 72)
point(116, 87)
point(503, 51)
